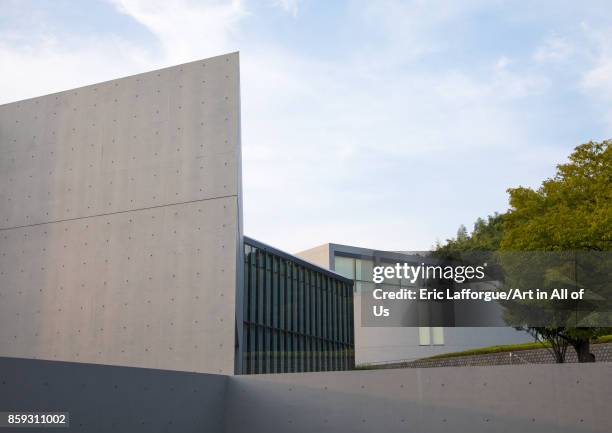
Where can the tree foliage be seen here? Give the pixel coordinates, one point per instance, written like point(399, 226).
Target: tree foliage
point(570, 212)
point(485, 236)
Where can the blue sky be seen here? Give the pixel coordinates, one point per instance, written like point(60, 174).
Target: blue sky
point(381, 124)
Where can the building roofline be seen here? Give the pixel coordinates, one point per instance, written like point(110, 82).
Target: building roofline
point(301, 261)
point(110, 80)
point(359, 252)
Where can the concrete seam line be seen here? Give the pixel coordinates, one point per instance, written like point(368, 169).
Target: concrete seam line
point(116, 213)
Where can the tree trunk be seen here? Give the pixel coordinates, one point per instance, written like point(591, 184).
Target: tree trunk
point(583, 350)
point(558, 347)
point(559, 356)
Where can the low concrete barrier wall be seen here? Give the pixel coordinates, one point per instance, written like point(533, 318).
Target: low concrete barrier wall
point(571, 398)
point(534, 398)
point(101, 398)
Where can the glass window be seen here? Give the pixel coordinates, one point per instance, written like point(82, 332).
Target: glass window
point(345, 266)
point(363, 269)
point(424, 336)
point(282, 296)
point(437, 333)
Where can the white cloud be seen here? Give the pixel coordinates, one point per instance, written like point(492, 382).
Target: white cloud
point(332, 149)
point(289, 6)
point(554, 49)
point(597, 78)
point(502, 63)
point(188, 29)
point(45, 65)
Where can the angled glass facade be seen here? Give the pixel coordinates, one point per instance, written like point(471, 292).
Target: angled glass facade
point(297, 317)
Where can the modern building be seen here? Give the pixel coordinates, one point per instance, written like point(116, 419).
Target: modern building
point(296, 316)
point(121, 236)
point(374, 345)
point(121, 246)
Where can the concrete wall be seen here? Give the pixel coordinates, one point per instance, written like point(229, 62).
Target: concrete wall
point(104, 399)
point(120, 219)
point(534, 398)
point(570, 398)
point(317, 255)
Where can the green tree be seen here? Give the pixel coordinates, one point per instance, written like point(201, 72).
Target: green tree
point(485, 236)
point(570, 212)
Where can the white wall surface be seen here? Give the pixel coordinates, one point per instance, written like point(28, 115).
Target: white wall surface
point(120, 219)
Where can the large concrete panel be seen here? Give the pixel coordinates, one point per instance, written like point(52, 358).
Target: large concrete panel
point(120, 221)
point(533, 398)
point(150, 288)
point(106, 399)
point(157, 138)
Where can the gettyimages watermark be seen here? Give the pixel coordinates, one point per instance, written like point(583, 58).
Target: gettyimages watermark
point(490, 289)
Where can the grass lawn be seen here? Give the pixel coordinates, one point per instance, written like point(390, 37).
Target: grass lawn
point(509, 348)
point(495, 349)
